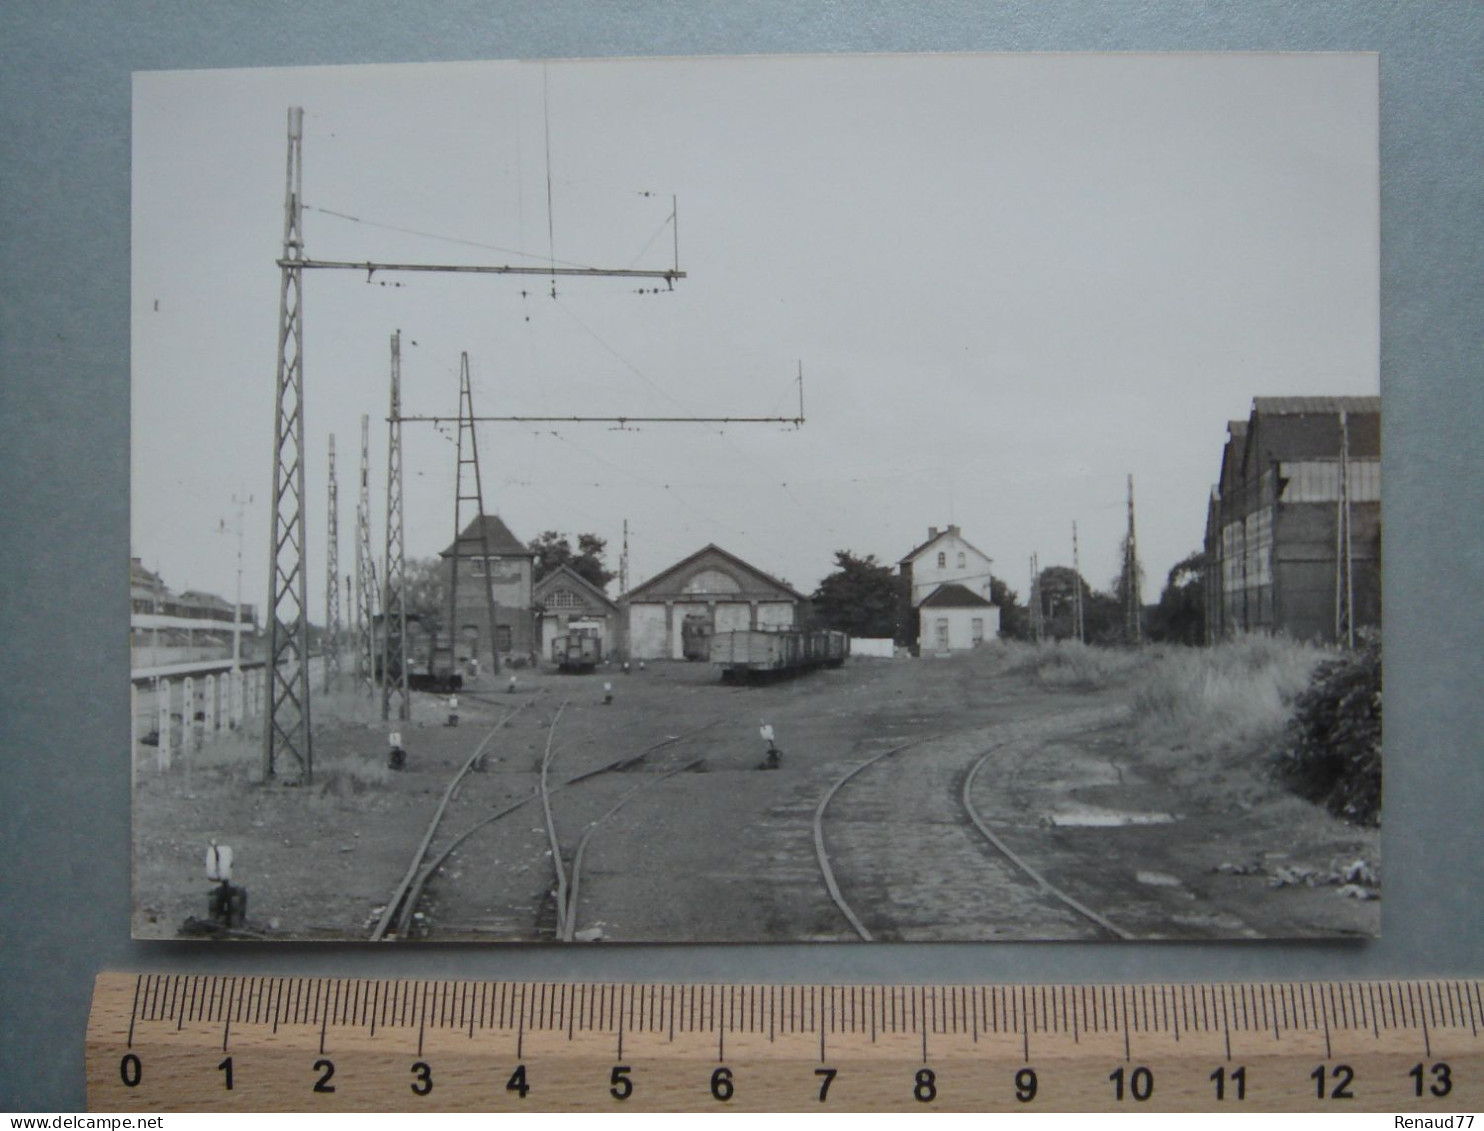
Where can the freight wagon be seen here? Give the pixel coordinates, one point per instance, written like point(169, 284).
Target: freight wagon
point(576, 652)
point(760, 651)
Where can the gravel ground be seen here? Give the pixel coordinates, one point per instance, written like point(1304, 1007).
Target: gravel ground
point(725, 851)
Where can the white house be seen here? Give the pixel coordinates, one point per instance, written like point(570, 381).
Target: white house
point(953, 618)
point(949, 585)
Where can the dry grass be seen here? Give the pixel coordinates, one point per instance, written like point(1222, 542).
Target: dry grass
point(1236, 696)
point(1070, 665)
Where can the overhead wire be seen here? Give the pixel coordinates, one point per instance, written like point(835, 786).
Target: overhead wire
point(549, 259)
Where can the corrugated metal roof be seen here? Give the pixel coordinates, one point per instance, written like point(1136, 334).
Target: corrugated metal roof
point(951, 595)
point(1293, 406)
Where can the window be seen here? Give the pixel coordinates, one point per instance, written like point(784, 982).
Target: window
point(942, 561)
point(563, 599)
point(977, 635)
point(478, 565)
point(962, 560)
point(712, 581)
point(502, 637)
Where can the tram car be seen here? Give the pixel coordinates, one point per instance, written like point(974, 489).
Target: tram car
point(762, 652)
point(577, 652)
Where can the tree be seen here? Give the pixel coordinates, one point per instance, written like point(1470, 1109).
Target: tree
point(1180, 616)
point(860, 597)
point(425, 592)
point(1014, 617)
point(553, 550)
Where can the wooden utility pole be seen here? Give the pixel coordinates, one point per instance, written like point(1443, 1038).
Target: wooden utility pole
point(1344, 572)
point(1077, 619)
point(1038, 626)
point(623, 561)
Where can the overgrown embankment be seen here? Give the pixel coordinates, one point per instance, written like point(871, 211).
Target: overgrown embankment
point(1308, 717)
point(1333, 750)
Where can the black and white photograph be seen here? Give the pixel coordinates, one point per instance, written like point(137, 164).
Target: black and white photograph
point(912, 498)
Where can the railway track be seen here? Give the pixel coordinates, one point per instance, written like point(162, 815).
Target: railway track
point(971, 818)
point(397, 917)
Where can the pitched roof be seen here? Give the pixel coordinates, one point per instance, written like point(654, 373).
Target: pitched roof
point(951, 595)
point(566, 575)
point(946, 532)
point(502, 543)
point(1293, 406)
point(656, 581)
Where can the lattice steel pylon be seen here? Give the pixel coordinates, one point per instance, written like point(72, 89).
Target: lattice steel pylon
point(365, 573)
point(331, 646)
point(468, 458)
point(286, 729)
point(1133, 609)
point(393, 602)
point(1344, 565)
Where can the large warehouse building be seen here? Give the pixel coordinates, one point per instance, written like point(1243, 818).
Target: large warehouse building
point(1293, 528)
point(674, 614)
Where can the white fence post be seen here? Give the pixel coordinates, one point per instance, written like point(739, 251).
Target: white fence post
point(188, 714)
point(162, 715)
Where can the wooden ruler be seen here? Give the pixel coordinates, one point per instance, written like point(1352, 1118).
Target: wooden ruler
point(208, 1043)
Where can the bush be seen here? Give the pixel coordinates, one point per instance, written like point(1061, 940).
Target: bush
point(1333, 753)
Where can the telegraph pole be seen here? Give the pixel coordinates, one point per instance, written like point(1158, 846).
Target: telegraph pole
point(1133, 611)
point(1077, 590)
point(331, 647)
point(1038, 627)
point(286, 731)
point(1344, 573)
point(393, 603)
point(365, 573)
point(623, 561)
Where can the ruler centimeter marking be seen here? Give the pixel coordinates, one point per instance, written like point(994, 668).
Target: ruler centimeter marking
point(210, 1042)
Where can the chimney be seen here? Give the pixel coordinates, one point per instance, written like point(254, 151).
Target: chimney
point(953, 530)
point(932, 533)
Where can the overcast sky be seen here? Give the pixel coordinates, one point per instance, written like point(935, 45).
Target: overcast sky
point(1011, 281)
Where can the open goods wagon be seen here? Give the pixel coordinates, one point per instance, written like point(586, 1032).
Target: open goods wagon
point(761, 651)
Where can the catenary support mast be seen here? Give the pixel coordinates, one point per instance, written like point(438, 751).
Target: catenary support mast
point(331, 646)
point(475, 546)
point(286, 730)
point(393, 603)
point(365, 573)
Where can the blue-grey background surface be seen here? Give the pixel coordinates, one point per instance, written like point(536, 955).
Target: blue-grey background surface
point(64, 431)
